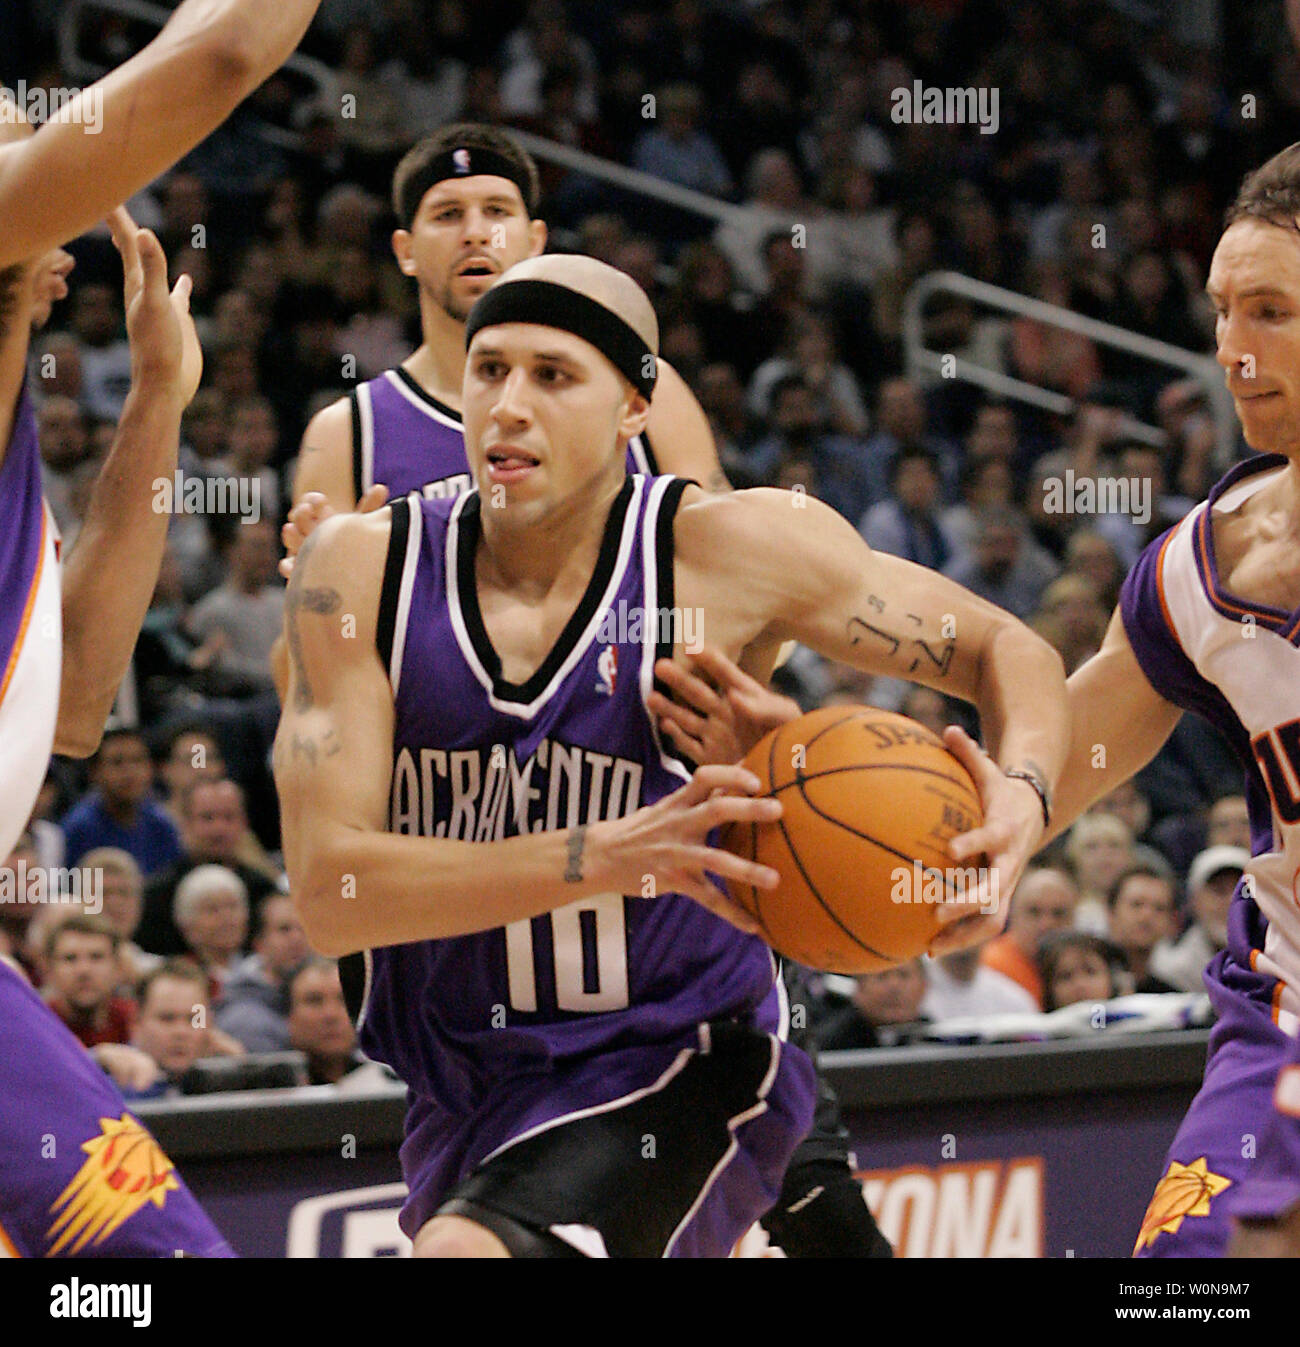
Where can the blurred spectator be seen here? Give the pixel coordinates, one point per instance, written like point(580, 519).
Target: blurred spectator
point(1228, 823)
point(885, 1011)
point(801, 452)
point(254, 446)
point(120, 810)
point(1044, 901)
point(735, 430)
point(1143, 914)
point(1099, 848)
point(908, 525)
point(171, 1033)
point(959, 985)
point(192, 753)
point(254, 1003)
point(122, 891)
point(1078, 966)
point(239, 622)
point(16, 917)
point(812, 356)
point(1071, 620)
point(105, 356)
point(51, 845)
point(64, 439)
point(1006, 567)
point(985, 483)
point(82, 970)
point(319, 1027)
point(543, 41)
point(213, 823)
point(1211, 882)
point(853, 242)
point(774, 201)
point(211, 912)
point(1049, 356)
point(1090, 555)
point(677, 149)
point(902, 421)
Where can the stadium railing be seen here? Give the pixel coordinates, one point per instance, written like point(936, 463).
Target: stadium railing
point(924, 363)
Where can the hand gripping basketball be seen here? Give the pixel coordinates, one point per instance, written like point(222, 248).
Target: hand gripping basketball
point(669, 841)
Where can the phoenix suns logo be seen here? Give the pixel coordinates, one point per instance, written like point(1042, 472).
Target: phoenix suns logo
point(124, 1168)
point(1186, 1190)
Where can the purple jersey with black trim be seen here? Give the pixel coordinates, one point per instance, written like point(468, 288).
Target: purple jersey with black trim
point(407, 439)
point(1236, 663)
point(483, 1025)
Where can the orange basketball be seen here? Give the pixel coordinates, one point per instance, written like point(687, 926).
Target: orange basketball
point(871, 800)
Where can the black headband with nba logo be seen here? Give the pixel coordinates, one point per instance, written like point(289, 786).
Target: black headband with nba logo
point(552, 305)
point(462, 162)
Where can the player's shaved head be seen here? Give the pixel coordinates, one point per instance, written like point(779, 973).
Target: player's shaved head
point(598, 281)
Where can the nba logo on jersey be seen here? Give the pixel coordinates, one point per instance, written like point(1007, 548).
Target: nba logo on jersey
point(607, 668)
point(460, 158)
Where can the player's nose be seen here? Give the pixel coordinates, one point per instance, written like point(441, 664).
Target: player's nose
point(511, 405)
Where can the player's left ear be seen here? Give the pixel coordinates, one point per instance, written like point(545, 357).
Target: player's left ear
point(636, 413)
point(536, 238)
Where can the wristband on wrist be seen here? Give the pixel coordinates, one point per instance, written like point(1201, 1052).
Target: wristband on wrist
point(1040, 789)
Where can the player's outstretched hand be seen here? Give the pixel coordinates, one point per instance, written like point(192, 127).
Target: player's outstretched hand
point(165, 346)
point(666, 843)
point(720, 712)
point(311, 512)
point(1001, 846)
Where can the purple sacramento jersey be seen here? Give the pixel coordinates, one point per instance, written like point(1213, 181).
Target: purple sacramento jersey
point(1236, 663)
point(508, 1030)
point(405, 438)
point(78, 1174)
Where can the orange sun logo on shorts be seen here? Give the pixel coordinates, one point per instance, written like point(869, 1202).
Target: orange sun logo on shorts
point(124, 1168)
point(1184, 1191)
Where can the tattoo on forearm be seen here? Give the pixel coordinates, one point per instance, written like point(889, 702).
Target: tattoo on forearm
point(301, 597)
point(576, 841)
point(937, 658)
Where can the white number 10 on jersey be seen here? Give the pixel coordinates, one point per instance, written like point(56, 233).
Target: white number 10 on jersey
point(606, 933)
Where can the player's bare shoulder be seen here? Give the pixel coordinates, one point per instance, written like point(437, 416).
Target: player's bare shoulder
point(761, 524)
point(325, 457)
point(339, 571)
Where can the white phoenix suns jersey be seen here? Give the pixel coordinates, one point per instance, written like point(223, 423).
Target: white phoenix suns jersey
point(1236, 663)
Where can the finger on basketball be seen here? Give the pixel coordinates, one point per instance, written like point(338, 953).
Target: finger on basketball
point(719, 776)
point(962, 934)
point(720, 809)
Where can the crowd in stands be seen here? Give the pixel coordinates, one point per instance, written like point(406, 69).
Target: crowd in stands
point(1118, 146)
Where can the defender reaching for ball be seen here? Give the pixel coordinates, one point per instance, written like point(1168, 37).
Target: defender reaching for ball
point(475, 792)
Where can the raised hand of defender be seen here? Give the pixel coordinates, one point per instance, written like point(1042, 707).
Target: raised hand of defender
point(164, 343)
point(720, 712)
point(311, 512)
point(1010, 834)
point(668, 842)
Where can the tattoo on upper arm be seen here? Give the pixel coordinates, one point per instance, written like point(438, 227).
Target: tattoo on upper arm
point(577, 839)
point(312, 599)
point(306, 746)
point(936, 659)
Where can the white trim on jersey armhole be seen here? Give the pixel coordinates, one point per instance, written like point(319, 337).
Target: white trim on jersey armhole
point(414, 533)
point(431, 412)
point(650, 573)
point(637, 445)
point(366, 411)
point(580, 646)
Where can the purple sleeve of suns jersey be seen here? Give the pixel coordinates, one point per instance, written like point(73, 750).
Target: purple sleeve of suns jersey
point(1155, 644)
